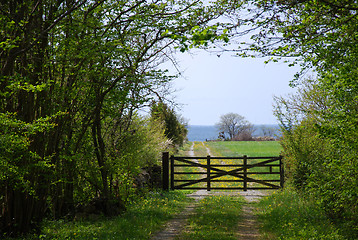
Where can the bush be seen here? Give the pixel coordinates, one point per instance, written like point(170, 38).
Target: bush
point(320, 157)
point(289, 215)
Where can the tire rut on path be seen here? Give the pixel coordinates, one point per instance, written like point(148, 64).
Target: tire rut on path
point(175, 226)
point(248, 228)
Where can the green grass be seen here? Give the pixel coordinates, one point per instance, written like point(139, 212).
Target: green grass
point(183, 151)
point(200, 149)
point(249, 148)
point(282, 215)
point(143, 218)
point(288, 216)
point(216, 217)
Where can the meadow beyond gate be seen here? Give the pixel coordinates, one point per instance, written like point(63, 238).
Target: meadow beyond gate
point(222, 173)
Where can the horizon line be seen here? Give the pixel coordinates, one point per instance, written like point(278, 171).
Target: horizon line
point(215, 124)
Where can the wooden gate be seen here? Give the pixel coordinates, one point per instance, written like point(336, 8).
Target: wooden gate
point(222, 173)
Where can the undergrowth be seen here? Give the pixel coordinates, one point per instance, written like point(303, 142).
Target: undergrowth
point(142, 219)
point(287, 215)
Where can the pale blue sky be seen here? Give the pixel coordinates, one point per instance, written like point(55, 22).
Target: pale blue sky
point(213, 86)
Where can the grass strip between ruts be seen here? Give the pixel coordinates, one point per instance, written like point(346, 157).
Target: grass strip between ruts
point(216, 217)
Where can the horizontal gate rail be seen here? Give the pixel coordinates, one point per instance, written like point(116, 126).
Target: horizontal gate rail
point(243, 173)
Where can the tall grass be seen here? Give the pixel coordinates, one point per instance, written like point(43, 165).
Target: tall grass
point(143, 217)
point(287, 215)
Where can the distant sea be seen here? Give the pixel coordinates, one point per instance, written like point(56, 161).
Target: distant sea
point(204, 133)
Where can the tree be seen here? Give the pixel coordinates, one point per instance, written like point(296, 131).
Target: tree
point(33, 127)
point(235, 126)
point(268, 131)
point(320, 126)
point(174, 125)
point(73, 73)
point(313, 155)
point(311, 31)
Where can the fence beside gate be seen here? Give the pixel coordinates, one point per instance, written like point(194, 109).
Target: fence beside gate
point(231, 173)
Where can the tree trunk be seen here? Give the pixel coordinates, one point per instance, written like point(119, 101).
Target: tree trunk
point(99, 148)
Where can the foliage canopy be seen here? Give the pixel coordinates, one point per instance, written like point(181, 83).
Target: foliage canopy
point(73, 75)
point(319, 123)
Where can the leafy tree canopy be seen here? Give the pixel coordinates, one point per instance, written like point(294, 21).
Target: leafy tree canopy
point(72, 76)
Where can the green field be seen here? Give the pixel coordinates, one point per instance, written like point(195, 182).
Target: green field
point(249, 148)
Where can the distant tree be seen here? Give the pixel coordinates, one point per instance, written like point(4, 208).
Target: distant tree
point(268, 131)
point(235, 126)
point(245, 133)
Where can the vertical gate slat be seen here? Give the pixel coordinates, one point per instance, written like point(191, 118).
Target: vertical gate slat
point(208, 186)
point(245, 173)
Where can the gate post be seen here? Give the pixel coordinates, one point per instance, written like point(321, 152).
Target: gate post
point(165, 171)
point(245, 173)
point(208, 183)
point(282, 173)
